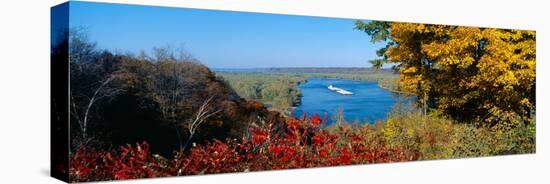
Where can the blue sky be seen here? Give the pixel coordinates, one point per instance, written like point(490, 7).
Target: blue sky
point(225, 39)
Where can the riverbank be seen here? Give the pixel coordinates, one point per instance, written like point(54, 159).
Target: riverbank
point(391, 89)
point(276, 91)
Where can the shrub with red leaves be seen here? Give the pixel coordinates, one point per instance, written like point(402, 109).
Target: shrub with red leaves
point(130, 162)
point(304, 144)
point(135, 162)
point(85, 165)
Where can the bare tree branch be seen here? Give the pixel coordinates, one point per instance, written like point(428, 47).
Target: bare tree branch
point(92, 101)
point(204, 112)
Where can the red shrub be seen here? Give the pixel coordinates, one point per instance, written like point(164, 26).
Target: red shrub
point(83, 164)
point(304, 144)
point(259, 136)
point(215, 157)
point(135, 162)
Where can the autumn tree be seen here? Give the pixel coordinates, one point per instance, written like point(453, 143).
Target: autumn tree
point(164, 79)
point(92, 75)
point(482, 75)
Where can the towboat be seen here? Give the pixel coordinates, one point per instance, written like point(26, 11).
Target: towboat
point(339, 90)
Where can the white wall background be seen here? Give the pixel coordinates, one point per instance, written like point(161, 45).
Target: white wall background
point(24, 90)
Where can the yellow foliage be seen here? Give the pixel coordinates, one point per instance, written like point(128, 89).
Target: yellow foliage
point(473, 74)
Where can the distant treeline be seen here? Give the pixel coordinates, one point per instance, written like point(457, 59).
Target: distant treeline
point(326, 70)
point(362, 76)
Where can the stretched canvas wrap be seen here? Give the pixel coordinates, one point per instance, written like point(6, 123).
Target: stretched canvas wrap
point(144, 91)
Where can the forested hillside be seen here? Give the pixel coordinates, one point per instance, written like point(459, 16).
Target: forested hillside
point(169, 100)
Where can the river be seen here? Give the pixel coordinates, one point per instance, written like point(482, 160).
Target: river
point(368, 103)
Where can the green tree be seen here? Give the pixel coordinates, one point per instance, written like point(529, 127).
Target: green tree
point(377, 64)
